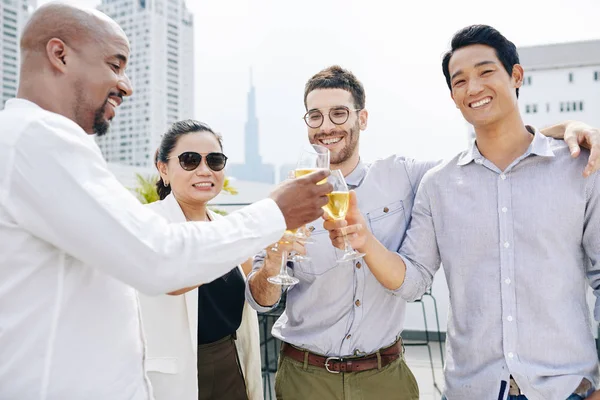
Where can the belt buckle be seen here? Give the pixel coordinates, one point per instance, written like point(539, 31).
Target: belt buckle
point(327, 364)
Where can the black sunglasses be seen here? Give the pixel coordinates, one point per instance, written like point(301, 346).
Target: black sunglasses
point(190, 160)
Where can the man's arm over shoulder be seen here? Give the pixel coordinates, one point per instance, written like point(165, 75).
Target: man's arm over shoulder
point(61, 191)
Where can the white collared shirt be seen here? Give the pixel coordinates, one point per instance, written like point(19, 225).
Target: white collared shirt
point(73, 245)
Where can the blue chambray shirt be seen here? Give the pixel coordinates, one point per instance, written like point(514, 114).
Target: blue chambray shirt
point(519, 248)
point(341, 310)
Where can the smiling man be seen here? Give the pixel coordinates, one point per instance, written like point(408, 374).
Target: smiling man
point(74, 243)
point(517, 228)
point(342, 322)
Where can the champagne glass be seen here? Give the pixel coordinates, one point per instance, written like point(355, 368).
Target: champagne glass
point(339, 201)
point(312, 158)
point(283, 278)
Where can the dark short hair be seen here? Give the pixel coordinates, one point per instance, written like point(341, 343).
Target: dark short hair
point(169, 141)
point(506, 51)
point(336, 77)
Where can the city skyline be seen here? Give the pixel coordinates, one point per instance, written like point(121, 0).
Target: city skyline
point(394, 49)
point(161, 35)
point(13, 15)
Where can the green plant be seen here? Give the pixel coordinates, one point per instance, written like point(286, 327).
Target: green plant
point(146, 190)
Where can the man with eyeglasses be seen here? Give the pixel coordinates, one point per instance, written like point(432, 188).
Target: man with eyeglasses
point(341, 326)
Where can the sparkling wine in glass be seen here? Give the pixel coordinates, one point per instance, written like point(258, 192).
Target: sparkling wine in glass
point(337, 207)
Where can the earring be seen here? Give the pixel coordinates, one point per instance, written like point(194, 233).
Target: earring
point(166, 184)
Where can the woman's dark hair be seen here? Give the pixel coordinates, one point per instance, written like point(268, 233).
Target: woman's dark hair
point(169, 141)
point(506, 51)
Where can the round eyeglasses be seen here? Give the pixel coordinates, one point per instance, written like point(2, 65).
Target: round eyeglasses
point(337, 115)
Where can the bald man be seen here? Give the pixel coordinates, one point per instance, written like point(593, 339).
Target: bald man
point(74, 243)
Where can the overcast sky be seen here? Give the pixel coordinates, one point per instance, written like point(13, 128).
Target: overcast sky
point(394, 47)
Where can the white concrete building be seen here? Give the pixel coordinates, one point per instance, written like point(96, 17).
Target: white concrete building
point(13, 16)
point(562, 81)
point(161, 69)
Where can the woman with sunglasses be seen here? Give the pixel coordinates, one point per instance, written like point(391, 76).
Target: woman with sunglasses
point(205, 343)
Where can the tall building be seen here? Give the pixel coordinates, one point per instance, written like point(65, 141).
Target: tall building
point(13, 16)
point(253, 169)
point(161, 69)
point(562, 82)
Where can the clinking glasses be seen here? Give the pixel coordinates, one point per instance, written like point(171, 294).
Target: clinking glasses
point(190, 160)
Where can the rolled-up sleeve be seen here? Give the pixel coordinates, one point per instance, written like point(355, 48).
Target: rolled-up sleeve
point(258, 262)
point(419, 250)
point(61, 191)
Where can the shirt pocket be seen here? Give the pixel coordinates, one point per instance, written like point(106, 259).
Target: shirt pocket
point(388, 223)
point(166, 365)
point(322, 255)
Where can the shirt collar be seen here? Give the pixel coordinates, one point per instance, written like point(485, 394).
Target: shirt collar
point(357, 175)
point(18, 102)
point(540, 146)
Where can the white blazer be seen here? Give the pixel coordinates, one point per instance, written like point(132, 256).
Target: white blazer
point(170, 326)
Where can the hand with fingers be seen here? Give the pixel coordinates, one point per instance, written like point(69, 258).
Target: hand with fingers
point(354, 227)
point(579, 134)
point(280, 251)
point(300, 200)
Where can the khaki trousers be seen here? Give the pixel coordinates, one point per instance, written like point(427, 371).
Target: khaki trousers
point(296, 381)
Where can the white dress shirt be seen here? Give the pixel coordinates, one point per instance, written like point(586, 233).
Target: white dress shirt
point(170, 326)
point(74, 243)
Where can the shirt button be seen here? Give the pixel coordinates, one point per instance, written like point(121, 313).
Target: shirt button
point(504, 209)
point(502, 176)
point(511, 355)
point(478, 161)
point(507, 281)
point(348, 337)
point(385, 209)
point(358, 265)
point(509, 318)
point(311, 228)
point(357, 302)
point(506, 245)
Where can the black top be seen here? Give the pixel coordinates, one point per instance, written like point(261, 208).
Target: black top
point(220, 306)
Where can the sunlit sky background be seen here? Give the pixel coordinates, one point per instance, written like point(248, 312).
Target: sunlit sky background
point(394, 47)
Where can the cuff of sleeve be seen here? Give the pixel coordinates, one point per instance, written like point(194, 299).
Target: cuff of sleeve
point(411, 288)
point(250, 299)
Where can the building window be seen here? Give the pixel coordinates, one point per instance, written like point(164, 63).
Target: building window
point(597, 76)
point(534, 108)
point(581, 106)
point(570, 77)
point(547, 107)
point(527, 109)
point(562, 106)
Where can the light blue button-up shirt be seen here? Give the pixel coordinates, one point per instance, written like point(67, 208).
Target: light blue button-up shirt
point(518, 247)
point(340, 310)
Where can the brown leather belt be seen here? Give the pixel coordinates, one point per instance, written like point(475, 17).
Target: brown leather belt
point(336, 365)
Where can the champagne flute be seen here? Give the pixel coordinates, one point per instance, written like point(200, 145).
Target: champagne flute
point(312, 158)
point(283, 278)
point(339, 201)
